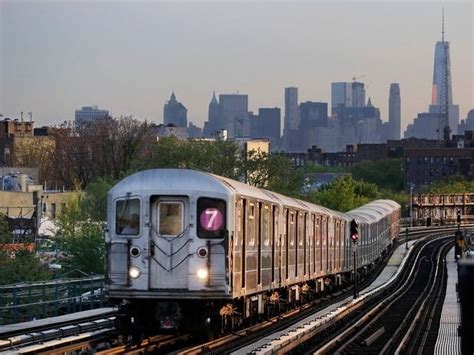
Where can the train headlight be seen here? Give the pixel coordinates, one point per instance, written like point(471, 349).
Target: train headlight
point(134, 272)
point(203, 273)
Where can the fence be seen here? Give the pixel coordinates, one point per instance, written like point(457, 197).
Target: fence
point(30, 301)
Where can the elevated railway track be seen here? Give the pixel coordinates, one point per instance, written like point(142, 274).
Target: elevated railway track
point(98, 334)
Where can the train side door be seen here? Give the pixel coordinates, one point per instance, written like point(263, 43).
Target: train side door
point(169, 236)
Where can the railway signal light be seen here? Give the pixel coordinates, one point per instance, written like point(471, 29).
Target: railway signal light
point(354, 231)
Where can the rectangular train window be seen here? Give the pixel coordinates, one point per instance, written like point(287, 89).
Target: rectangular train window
point(266, 226)
point(170, 218)
point(127, 217)
point(211, 215)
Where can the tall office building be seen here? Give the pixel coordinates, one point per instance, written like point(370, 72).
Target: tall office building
point(291, 119)
point(291, 108)
point(175, 113)
point(341, 95)
point(270, 125)
point(234, 113)
point(347, 95)
point(89, 114)
point(394, 113)
point(313, 114)
point(214, 122)
point(442, 92)
point(358, 94)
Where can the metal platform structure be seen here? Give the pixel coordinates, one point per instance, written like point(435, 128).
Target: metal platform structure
point(448, 341)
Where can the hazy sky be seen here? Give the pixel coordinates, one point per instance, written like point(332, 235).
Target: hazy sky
point(127, 56)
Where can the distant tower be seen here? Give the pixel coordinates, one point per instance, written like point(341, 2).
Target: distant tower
point(358, 94)
point(442, 94)
point(341, 95)
point(292, 121)
point(214, 117)
point(394, 112)
point(234, 114)
point(175, 113)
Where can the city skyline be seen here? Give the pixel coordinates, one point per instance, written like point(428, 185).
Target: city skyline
point(131, 60)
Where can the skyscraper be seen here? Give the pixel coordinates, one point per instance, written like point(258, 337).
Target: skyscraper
point(442, 93)
point(313, 114)
point(175, 113)
point(234, 112)
point(292, 120)
point(214, 122)
point(394, 113)
point(270, 125)
point(358, 94)
point(291, 108)
point(341, 95)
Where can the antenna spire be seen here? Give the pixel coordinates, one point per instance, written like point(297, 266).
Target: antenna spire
point(442, 27)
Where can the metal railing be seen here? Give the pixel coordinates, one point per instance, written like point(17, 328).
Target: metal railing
point(30, 301)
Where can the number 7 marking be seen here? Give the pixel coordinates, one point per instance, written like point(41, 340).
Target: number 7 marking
point(213, 213)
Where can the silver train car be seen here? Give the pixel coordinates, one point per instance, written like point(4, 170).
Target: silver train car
point(187, 248)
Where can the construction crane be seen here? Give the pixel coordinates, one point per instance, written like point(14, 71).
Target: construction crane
point(355, 77)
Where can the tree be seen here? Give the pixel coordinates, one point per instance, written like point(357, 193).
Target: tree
point(106, 148)
point(94, 201)
point(81, 239)
point(345, 194)
point(386, 174)
point(453, 184)
point(23, 266)
point(5, 234)
point(282, 176)
point(219, 157)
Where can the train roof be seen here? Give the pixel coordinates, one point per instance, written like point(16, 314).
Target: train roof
point(183, 181)
point(172, 181)
point(373, 211)
point(247, 190)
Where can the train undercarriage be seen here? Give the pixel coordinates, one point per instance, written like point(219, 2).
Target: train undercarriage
point(208, 319)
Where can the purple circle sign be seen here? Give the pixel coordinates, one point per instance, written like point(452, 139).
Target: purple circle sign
point(211, 219)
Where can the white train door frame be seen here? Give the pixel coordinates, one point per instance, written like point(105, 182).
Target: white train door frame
point(169, 243)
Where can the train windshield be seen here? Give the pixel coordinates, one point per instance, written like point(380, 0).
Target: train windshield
point(127, 217)
point(171, 218)
point(211, 214)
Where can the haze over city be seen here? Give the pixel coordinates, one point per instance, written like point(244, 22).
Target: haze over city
point(128, 57)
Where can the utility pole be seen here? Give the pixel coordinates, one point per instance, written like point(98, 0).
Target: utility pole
point(411, 204)
point(406, 235)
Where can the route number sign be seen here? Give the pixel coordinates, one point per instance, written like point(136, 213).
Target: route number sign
point(211, 219)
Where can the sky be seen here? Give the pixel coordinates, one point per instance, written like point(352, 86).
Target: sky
point(128, 56)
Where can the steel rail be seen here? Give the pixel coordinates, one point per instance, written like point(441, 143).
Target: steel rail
point(242, 337)
point(421, 311)
point(354, 331)
point(55, 331)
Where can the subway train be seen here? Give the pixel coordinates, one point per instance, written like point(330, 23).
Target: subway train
point(192, 250)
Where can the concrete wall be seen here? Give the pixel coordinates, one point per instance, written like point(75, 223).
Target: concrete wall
point(16, 204)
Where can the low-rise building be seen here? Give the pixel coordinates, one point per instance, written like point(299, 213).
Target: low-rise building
point(423, 166)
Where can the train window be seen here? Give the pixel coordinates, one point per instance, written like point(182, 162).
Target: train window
point(266, 226)
point(211, 214)
point(252, 211)
point(171, 218)
point(127, 217)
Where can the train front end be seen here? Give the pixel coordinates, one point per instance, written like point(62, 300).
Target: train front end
point(166, 248)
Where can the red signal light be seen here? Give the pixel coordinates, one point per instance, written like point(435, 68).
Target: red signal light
point(354, 238)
